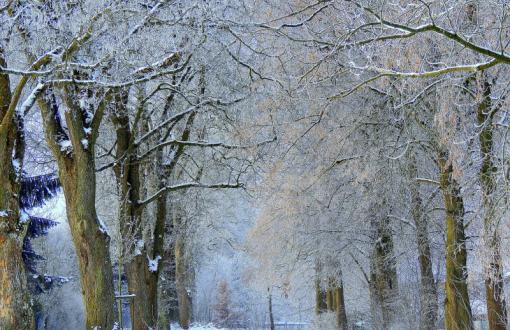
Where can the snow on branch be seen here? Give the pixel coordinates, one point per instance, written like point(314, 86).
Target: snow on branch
point(433, 73)
point(427, 181)
point(174, 118)
point(29, 102)
point(6, 6)
point(381, 72)
point(302, 22)
point(187, 185)
point(61, 66)
point(145, 20)
point(40, 62)
point(166, 62)
point(203, 144)
point(120, 84)
point(499, 57)
point(19, 72)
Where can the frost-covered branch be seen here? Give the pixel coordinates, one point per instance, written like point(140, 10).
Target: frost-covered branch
point(302, 22)
point(188, 185)
point(428, 181)
point(40, 62)
point(30, 100)
point(203, 144)
point(381, 73)
point(499, 57)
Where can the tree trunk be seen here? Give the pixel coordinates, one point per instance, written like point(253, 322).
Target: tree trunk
point(383, 274)
point(77, 173)
point(341, 313)
point(335, 299)
point(330, 298)
point(457, 305)
point(137, 274)
point(494, 285)
point(181, 275)
point(128, 175)
point(428, 290)
point(157, 250)
point(135, 254)
point(270, 302)
point(320, 293)
point(15, 308)
point(91, 240)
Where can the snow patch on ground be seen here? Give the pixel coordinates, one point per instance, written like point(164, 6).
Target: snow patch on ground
point(197, 327)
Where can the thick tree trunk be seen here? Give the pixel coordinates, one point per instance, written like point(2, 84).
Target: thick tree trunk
point(330, 295)
point(494, 285)
point(335, 299)
point(91, 240)
point(15, 308)
point(457, 306)
point(428, 290)
point(181, 275)
point(158, 250)
point(137, 273)
point(77, 173)
point(169, 292)
point(320, 293)
point(341, 314)
point(383, 274)
point(135, 254)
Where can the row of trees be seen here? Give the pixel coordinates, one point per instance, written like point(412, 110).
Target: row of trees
point(396, 176)
point(145, 90)
point(376, 133)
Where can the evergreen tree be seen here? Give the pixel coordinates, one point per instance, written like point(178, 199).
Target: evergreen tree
point(34, 192)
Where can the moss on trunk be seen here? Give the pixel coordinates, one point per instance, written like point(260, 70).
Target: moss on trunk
point(457, 306)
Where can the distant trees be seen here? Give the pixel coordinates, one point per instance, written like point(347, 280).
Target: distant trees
point(223, 309)
point(430, 46)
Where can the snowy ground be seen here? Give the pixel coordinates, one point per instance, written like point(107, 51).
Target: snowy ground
point(197, 327)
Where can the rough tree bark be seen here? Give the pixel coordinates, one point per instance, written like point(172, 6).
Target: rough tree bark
point(335, 297)
point(15, 307)
point(457, 307)
point(181, 272)
point(494, 284)
point(142, 280)
point(428, 289)
point(158, 249)
point(339, 302)
point(330, 298)
point(383, 274)
point(128, 178)
point(76, 168)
